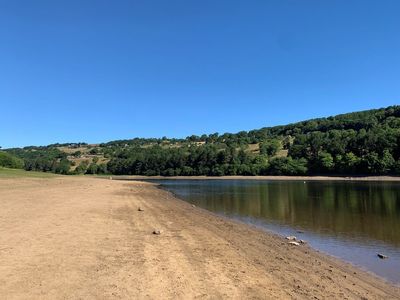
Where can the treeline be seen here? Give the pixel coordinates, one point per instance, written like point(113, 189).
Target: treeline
point(44, 159)
point(10, 161)
point(361, 143)
point(50, 159)
point(210, 159)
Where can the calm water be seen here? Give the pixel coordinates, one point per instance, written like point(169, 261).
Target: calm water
point(350, 220)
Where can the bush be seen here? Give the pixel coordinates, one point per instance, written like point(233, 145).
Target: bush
point(9, 161)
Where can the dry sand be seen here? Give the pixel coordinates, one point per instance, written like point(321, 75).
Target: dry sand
point(84, 238)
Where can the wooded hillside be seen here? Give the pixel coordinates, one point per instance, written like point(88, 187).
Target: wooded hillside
point(359, 143)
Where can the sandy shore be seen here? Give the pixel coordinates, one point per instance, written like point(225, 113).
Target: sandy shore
point(288, 178)
point(84, 238)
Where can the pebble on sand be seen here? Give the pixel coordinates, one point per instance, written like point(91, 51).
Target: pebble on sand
point(294, 243)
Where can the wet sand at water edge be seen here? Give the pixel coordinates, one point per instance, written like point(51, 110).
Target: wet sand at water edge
point(84, 238)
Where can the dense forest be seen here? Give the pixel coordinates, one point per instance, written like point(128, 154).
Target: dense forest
point(359, 143)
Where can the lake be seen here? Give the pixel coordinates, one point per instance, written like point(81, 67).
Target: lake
point(351, 220)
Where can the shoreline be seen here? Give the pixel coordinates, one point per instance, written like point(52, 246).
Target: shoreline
point(87, 239)
point(337, 262)
point(279, 236)
point(266, 178)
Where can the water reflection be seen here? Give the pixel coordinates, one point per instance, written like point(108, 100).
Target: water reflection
point(362, 209)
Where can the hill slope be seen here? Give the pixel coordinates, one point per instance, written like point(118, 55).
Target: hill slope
point(358, 143)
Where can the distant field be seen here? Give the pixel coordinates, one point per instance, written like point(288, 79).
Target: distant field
point(13, 173)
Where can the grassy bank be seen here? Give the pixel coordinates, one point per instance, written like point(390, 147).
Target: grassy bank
point(15, 173)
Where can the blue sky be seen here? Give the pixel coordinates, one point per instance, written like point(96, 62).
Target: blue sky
point(96, 71)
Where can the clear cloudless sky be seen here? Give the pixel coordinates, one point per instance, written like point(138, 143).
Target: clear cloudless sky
point(96, 71)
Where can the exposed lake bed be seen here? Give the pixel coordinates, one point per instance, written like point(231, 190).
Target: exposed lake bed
point(352, 220)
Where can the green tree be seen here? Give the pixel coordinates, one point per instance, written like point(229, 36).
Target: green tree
point(82, 167)
point(10, 161)
point(91, 169)
point(62, 167)
point(325, 161)
point(270, 147)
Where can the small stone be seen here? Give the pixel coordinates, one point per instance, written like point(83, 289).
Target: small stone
point(382, 256)
point(303, 242)
point(157, 232)
point(193, 205)
point(140, 209)
point(294, 243)
point(291, 238)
